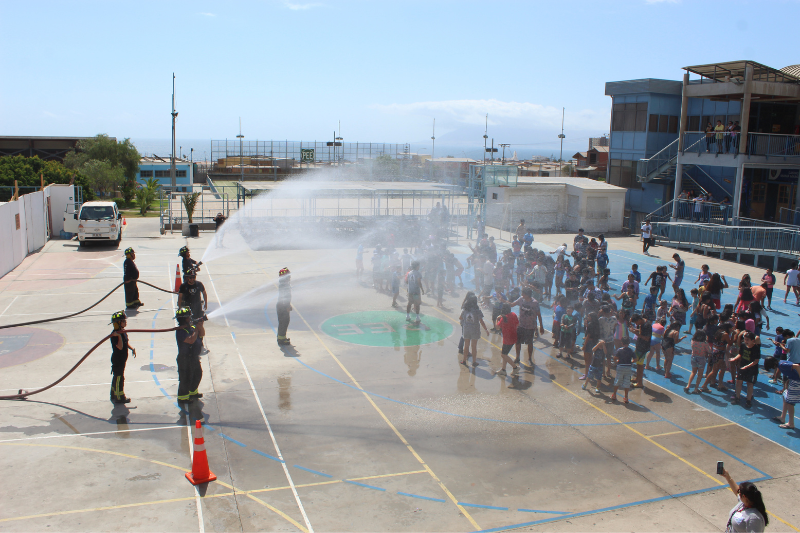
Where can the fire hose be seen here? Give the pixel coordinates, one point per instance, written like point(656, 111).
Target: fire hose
point(84, 310)
point(24, 394)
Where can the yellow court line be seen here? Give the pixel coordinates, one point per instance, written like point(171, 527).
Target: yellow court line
point(695, 429)
point(222, 483)
point(335, 481)
point(112, 507)
point(615, 419)
point(393, 428)
point(385, 418)
point(782, 520)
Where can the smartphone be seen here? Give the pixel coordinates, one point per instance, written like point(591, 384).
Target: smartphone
point(720, 468)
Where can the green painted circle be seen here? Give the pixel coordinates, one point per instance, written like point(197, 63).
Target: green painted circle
point(386, 328)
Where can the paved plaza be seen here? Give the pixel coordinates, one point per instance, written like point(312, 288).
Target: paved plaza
point(365, 423)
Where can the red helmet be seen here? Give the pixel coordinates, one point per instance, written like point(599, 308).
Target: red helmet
point(283, 271)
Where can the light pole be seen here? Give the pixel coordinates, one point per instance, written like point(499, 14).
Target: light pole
point(561, 152)
point(504, 151)
point(241, 158)
point(485, 137)
point(172, 177)
point(433, 149)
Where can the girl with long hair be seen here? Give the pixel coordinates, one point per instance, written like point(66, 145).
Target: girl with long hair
point(471, 320)
point(715, 287)
point(671, 338)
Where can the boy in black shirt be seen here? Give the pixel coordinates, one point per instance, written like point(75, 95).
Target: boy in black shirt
point(749, 354)
point(119, 356)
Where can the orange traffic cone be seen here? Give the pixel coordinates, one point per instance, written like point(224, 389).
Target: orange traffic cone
point(124, 221)
point(177, 278)
point(200, 472)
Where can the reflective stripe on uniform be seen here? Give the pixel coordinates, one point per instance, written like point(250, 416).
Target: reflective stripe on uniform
point(117, 392)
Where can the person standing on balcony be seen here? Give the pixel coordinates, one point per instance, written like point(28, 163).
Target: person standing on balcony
point(707, 207)
point(735, 132)
point(724, 205)
point(683, 198)
point(728, 136)
point(709, 136)
point(720, 133)
point(698, 208)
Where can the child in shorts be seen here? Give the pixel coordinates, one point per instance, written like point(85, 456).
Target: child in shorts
point(558, 311)
point(624, 359)
point(700, 352)
point(507, 323)
point(567, 340)
point(596, 367)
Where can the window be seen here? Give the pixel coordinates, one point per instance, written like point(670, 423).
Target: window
point(146, 173)
point(641, 117)
point(663, 123)
point(783, 194)
point(592, 158)
point(622, 173)
point(673, 125)
point(653, 123)
point(629, 117)
point(693, 124)
point(494, 196)
point(180, 173)
point(162, 173)
point(759, 193)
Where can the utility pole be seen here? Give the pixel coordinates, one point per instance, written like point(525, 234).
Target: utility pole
point(561, 152)
point(485, 137)
point(241, 158)
point(172, 177)
point(504, 151)
point(433, 149)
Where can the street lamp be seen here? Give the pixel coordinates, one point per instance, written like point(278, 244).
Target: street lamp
point(241, 157)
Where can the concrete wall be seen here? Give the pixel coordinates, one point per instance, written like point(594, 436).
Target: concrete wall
point(556, 207)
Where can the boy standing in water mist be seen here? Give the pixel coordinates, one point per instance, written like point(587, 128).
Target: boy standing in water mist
point(284, 305)
point(414, 281)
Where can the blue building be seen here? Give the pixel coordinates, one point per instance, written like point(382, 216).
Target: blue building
point(158, 168)
point(660, 148)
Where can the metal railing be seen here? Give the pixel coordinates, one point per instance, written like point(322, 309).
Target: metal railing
point(789, 216)
point(646, 167)
point(740, 238)
point(707, 212)
point(715, 142)
point(773, 145)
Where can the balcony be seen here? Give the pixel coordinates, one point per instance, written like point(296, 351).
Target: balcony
point(724, 148)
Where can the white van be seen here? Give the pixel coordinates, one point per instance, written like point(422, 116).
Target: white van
point(99, 221)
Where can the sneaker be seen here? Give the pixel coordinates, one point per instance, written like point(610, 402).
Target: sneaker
point(122, 400)
point(583, 377)
point(597, 391)
point(515, 372)
point(734, 400)
point(501, 372)
point(583, 387)
point(748, 404)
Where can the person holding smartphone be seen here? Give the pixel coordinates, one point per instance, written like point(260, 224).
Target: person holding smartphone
point(749, 515)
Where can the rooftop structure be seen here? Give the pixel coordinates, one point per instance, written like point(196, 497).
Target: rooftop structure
point(47, 148)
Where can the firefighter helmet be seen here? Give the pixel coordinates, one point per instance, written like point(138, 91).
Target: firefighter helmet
point(128, 251)
point(183, 312)
point(283, 271)
point(183, 251)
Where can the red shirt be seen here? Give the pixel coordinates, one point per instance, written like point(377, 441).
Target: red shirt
point(508, 325)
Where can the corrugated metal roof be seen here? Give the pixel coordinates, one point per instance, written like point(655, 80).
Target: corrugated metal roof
point(792, 70)
point(736, 69)
point(647, 85)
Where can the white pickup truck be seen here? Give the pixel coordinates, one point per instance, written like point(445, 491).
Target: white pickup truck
point(99, 222)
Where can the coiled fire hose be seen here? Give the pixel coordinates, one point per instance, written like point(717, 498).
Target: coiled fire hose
point(24, 394)
point(42, 321)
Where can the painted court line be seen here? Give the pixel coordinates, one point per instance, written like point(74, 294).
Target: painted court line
point(364, 485)
point(421, 497)
point(478, 506)
point(313, 471)
point(224, 436)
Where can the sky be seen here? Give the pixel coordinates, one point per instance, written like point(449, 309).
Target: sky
point(295, 69)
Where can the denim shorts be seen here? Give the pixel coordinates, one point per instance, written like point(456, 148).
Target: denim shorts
point(623, 377)
point(698, 363)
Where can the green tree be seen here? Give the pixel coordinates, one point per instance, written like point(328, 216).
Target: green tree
point(121, 154)
point(102, 175)
point(190, 203)
point(146, 194)
point(27, 171)
point(387, 167)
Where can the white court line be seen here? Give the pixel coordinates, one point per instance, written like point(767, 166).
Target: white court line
point(90, 434)
point(263, 414)
point(9, 305)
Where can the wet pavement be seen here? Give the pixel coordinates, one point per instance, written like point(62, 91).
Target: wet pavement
point(366, 423)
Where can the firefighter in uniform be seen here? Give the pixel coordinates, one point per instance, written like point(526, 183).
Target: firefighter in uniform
point(188, 263)
point(189, 370)
point(189, 295)
point(129, 275)
point(284, 305)
point(119, 356)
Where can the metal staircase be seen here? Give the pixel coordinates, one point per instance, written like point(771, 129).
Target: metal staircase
point(662, 165)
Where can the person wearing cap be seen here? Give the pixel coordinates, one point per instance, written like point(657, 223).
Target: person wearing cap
point(284, 305)
point(190, 372)
point(119, 357)
point(188, 263)
point(129, 276)
point(189, 295)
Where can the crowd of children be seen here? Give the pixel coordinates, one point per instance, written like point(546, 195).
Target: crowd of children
point(620, 330)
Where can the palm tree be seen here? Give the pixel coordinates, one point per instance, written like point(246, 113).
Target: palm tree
point(190, 203)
